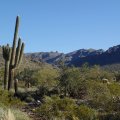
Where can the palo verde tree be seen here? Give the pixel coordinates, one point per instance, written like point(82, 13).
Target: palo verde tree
point(15, 57)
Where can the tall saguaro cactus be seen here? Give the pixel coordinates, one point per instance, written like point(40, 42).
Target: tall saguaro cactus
point(6, 56)
point(12, 57)
point(16, 57)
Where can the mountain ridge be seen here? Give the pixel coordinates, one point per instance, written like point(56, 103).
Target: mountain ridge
point(79, 57)
point(55, 57)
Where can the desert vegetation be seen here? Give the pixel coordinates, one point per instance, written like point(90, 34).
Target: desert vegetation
point(56, 92)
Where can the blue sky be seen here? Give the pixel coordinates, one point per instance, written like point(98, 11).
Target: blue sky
point(61, 25)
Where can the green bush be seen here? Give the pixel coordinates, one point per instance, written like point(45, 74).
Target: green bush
point(26, 76)
point(75, 81)
point(65, 109)
point(47, 77)
point(85, 113)
point(8, 99)
point(72, 82)
point(114, 89)
point(98, 94)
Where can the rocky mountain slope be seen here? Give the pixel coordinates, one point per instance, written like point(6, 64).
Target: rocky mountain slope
point(55, 57)
point(79, 57)
point(110, 56)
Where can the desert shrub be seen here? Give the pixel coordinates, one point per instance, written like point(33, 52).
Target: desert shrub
point(110, 116)
point(8, 99)
point(26, 76)
point(104, 97)
point(73, 83)
point(42, 90)
point(91, 73)
point(29, 99)
point(95, 73)
point(98, 94)
point(86, 113)
point(115, 92)
point(26, 96)
point(114, 89)
point(117, 75)
point(47, 77)
point(65, 109)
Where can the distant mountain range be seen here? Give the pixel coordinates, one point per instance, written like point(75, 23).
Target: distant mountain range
point(79, 57)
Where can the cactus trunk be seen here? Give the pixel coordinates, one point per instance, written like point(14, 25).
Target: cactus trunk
point(11, 78)
point(12, 61)
point(16, 86)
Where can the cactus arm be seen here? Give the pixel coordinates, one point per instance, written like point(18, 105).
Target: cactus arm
point(21, 53)
point(6, 74)
point(18, 52)
point(6, 56)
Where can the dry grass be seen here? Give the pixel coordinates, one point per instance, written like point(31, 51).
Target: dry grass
point(8, 115)
point(12, 114)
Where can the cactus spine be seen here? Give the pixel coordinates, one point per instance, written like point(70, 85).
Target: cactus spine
point(6, 56)
point(16, 57)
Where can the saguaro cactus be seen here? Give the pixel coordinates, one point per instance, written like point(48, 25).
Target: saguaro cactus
point(6, 56)
point(16, 56)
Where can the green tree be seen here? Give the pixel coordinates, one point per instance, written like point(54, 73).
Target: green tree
point(47, 77)
point(73, 83)
point(27, 77)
